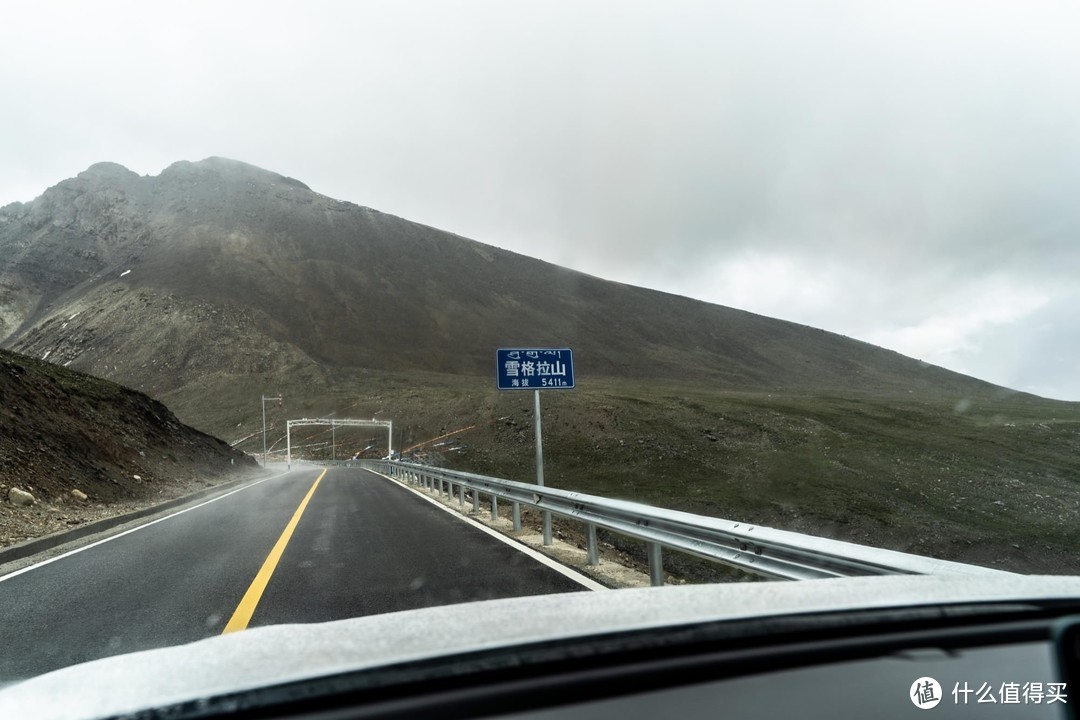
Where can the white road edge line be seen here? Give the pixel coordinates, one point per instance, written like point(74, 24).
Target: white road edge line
point(540, 557)
point(137, 527)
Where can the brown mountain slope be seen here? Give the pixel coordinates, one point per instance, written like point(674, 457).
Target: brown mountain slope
point(62, 430)
point(237, 270)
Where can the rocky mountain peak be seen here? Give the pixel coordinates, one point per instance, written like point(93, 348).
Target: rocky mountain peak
point(105, 170)
point(226, 170)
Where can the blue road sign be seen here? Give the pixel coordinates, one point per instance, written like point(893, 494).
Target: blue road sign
point(534, 368)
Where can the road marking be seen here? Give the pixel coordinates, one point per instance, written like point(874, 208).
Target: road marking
point(242, 615)
point(28, 568)
point(540, 557)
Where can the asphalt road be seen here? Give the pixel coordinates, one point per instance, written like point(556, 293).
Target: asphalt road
point(362, 545)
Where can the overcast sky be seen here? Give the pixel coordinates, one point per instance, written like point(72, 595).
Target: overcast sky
point(906, 173)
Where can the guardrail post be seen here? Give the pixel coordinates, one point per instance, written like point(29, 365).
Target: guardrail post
point(547, 528)
point(460, 494)
point(656, 564)
point(494, 507)
point(591, 547)
point(517, 516)
point(475, 500)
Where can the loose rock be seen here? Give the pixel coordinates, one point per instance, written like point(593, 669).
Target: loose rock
point(78, 494)
point(20, 497)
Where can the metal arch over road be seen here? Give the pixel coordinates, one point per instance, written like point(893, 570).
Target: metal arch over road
point(339, 422)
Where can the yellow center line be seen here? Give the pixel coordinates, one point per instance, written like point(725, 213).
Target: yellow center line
point(242, 615)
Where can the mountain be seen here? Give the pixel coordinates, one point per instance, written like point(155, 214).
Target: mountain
point(65, 433)
point(221, 267)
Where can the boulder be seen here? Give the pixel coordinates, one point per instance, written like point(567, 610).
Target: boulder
point(20, 497)
point(78, 494)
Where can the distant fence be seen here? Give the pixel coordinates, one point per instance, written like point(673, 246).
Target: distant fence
point(758, 550)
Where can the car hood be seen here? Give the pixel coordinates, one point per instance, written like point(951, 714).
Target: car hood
point(264, 657)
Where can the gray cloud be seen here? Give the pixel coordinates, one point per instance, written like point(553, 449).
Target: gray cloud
point(899, 172)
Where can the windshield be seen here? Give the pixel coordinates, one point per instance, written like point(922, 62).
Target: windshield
point(332, 310)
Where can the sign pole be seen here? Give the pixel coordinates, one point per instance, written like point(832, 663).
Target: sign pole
point(539, 440)
point(540, 463)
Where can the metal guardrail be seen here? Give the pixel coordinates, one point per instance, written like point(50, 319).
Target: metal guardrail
point(752, 548)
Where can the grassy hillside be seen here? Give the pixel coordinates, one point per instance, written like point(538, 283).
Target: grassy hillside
point(990, 481)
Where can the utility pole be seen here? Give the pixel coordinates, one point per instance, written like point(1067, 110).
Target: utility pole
point(264, 399)
point(333, 437)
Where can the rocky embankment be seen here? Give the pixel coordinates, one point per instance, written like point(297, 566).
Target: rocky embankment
point(75, 448)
